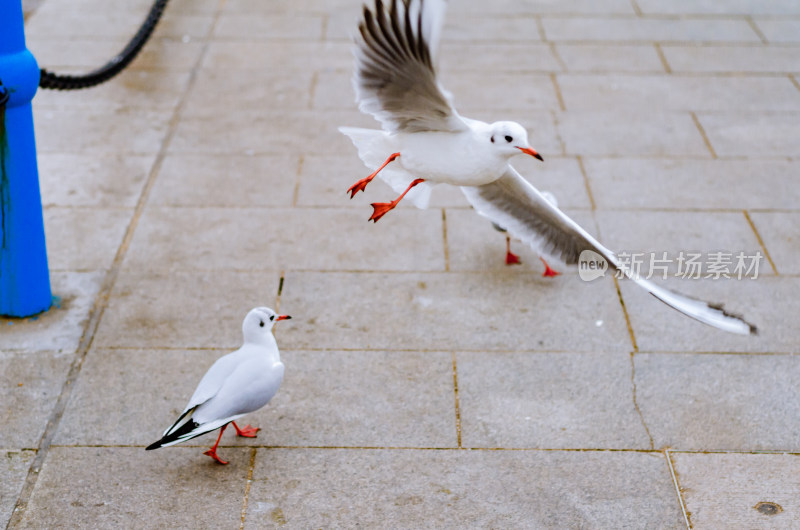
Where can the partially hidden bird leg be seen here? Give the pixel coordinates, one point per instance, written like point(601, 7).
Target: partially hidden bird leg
point(511, 258)
point(548, 272)
point(380, 208)
point(248, 431)
point(361, 185)
point(213, 451)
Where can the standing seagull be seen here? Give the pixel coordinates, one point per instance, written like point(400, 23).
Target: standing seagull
point(430, 143)
point(236, 384)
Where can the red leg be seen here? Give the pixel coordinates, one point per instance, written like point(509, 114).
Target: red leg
point(213, 451)
point(380, 208)
point(247, 431)
point(548, 272)
point(511, 258)
point(361, 185)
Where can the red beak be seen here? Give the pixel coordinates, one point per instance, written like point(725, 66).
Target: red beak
point(529, 151)
point(282, 317)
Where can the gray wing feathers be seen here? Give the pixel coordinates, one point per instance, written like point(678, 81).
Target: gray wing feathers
point(514, 204)
point(395, 78)
point(517, 206)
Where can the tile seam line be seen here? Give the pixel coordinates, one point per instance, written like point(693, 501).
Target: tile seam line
point(100, 303)
point(760, 242)
point(451, 448)
point(636, 403)
point(248, 483)
point(677, 489)
point(167, 348)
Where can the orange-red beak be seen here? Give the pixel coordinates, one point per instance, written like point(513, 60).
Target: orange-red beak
point(282, 317)
point(529, 151)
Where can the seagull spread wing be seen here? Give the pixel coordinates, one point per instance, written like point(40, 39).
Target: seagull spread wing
point(513, 203)
point(395, 76)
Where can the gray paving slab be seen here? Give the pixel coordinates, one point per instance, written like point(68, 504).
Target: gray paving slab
point(474, 28)
point(13, 470)
point(257, 131)
point(610, 58)
point(753, 134)
point(59, 21)
point(768, 302)
point(97, 131)
point(777, 30)
point(511, 8)
point(727, 402)
point(431, 311)
point(267, 239)
point(217, 91)
point(255, 26)
point(474, 245)
point(138, 6)
point(280, 55)
point(60, 328)
point(635, 29)
point(719, 59)
point(84, 238)
point(692, 184)
point(653, 233)
point(78, 55)
point(712, 7)
point(184, 309)
point(113, 487)
point(328, 398)
point(67, 179)
point(676, 92)
point(739, 490)
point(548, 400)
point(218, 180)
point(512, 94)
point(458, 489)
point(459, 56)
point(778, 230)
point(630, 133)
point(363, 399)
point(30, 383)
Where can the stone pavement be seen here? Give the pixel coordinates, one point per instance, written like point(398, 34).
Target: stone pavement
point(427, 384)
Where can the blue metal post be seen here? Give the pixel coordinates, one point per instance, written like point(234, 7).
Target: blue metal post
point(24, 276)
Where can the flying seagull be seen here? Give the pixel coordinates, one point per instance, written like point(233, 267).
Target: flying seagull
point(424, 142)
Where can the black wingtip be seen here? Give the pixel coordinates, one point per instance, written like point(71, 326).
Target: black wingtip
point(154, 445)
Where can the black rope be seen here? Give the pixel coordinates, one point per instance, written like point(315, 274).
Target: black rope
point(112, 67)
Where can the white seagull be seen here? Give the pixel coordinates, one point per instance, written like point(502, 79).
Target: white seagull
point(236, 384)
point(430, 143)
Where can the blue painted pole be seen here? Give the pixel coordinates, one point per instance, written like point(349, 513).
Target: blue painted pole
point(24, 276)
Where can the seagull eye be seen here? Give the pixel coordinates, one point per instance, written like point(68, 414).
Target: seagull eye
point(492, 139)
point(508, 139)
point(272, 317)
point(261, 323)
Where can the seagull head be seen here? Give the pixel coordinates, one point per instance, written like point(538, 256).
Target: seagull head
point(510, 138)
point(258, 322)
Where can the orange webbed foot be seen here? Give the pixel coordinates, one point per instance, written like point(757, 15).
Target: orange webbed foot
point(548, 272)
point(213, 454)
point(248, 431)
